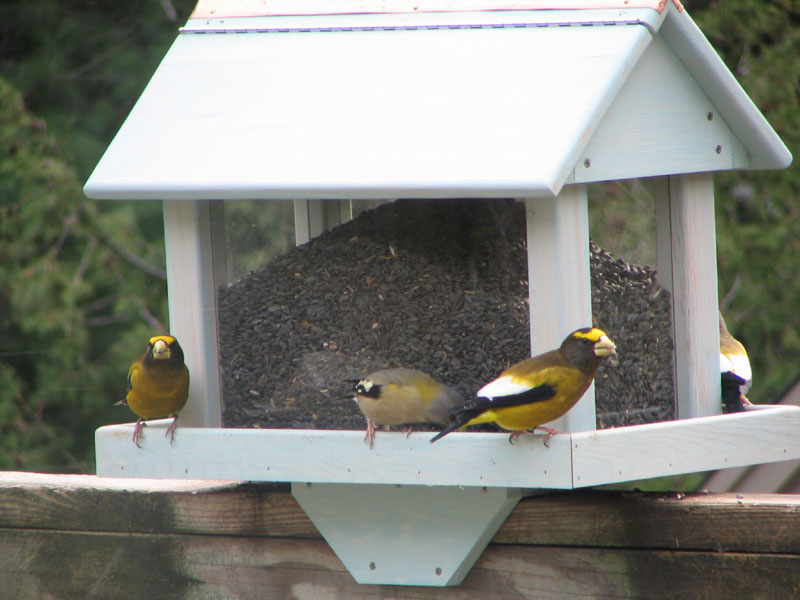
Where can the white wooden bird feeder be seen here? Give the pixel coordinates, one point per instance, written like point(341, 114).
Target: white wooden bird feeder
point(321, 100)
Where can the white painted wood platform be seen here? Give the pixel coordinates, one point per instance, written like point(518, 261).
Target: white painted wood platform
point(461, 459)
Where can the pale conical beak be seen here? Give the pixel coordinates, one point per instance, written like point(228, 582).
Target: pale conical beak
point(161, 350)
point(605, 347)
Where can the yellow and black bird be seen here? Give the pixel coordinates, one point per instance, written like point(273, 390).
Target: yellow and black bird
point(539, 389)
point(734, 367)
point(158, 385)
point(402, 397)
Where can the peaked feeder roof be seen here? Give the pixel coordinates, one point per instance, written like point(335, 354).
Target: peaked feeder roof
point(308, 99)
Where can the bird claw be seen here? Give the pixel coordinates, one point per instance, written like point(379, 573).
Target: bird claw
point(550, 433)
point(369, 436)
point(137, 431)
point(515, 434)
point(170, 433)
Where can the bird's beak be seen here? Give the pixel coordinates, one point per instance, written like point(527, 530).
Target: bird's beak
point(160, 349)
point(604, 347)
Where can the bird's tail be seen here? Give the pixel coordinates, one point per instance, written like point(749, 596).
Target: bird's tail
point(461, 417)
point(732, 393)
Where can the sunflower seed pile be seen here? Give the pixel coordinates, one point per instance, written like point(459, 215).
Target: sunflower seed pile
point(630, 305)
point(436, 285)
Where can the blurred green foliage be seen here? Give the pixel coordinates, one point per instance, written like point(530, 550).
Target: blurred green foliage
point(758, 212)
point(72, 304)
point(82, 284)
point(82, 64)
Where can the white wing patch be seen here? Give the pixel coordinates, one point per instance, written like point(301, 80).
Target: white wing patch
point(738, 364)
point(502, 386)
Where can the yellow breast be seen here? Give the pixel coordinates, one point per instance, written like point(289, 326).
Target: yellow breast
point(157, 393)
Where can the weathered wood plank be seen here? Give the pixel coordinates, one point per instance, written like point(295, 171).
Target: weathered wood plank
point(747, 523)
point(67, 565)
point(582, 573)
point(87, 537)
point(85, 503)
point(716, 522)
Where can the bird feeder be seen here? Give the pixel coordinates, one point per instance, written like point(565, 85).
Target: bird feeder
point(319, 101)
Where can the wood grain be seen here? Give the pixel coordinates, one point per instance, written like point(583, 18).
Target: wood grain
point(151, 507)
point(69, 565)
point(718, 522)
point(85, 537)
point(714, 522)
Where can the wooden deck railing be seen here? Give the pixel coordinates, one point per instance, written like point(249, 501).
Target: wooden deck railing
point(82, 537)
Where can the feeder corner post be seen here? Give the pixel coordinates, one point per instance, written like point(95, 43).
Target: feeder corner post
point(559, 282)
point(191, 293)
point(687, 268)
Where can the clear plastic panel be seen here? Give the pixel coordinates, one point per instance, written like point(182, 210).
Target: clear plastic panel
point(435, 285)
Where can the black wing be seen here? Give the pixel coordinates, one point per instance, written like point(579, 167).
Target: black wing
point(464, 414)
point(540, 393)
point(732, 393)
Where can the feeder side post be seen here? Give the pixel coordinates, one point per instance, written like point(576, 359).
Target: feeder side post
point(191, 291)
point(687, 267)
point(559, 282)
point(313, 217)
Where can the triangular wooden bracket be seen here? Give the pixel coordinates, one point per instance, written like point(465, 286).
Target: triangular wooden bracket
point(406, 534)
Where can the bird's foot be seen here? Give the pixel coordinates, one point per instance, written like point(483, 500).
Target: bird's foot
point(550, 433)
point(170, 433)
point(369, 436)
point(137, 431)
point(515, 434)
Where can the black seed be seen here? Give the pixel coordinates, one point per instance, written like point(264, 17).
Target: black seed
point(450, 300)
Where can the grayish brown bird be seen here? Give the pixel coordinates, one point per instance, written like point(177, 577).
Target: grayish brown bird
point(403, 397)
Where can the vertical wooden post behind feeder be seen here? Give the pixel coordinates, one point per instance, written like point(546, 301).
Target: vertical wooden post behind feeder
point(345, 100)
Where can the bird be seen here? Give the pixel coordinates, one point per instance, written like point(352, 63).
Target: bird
point(538, 389)
point(402, 396)
point(158, 385)
point(734, 366)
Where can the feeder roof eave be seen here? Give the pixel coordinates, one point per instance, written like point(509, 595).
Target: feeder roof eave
point(363, 108)
point(764, 147)
point(490, 103)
